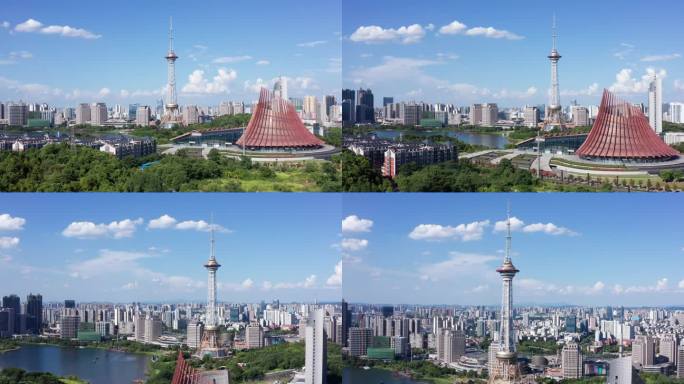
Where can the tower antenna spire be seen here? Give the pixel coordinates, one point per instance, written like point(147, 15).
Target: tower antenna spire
point(170, 33)
point(508, 235)
point(554, 34)
point(213, 242)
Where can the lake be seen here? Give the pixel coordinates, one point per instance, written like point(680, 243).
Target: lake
point(492, 141)
point(94, 365)
point(374, 376)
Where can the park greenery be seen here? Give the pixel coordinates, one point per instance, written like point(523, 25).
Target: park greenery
point(60, 168)
point(19, 376)
point(421, 370)
point(121, 345)
point(672, 127)
point(164, 135)
point(251, 364)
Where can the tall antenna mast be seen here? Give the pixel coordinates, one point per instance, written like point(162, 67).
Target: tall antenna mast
point(508, 236)
point(213, 243)
point(170, 33)
point(554, 35)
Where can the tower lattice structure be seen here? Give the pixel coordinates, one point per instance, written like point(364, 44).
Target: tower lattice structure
point(211, 344)
point(554, 116)
point(171, 111)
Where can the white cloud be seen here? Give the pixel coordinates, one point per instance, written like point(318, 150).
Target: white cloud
point(375, 34)
point(247, 283)
point(198, 84)
point(516, 225)
point(463, 264)
point(20, 55)
point(32, 25)
point(589, 91)
point(493, 33)
point(5, 24)
point(129, 286)
point(453, 28)
point(256, 86)
point(667, 57)
point(464, 232)
point(354, 223)
point(107, 262)
point(89, 230)
point(263, 62)
point(311, 44)
point(548, 228)
point(104, 92)
point(163, 222)
point(625, 83)
point(679, 85)
point(9, 223)
point(295, 85)
point(661, 285)
point(335, 280)
point(201, 226)
point(351, 244)
point(681, 284)
point(308, 282)
point(231, 59)
point(8, 242)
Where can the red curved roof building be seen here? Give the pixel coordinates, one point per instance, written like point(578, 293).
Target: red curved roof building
point(621, 132)
point(276, 125)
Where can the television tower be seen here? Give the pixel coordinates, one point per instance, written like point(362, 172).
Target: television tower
point(171, 106)
point(553, 114)
point(505, 369)
point(210, 339)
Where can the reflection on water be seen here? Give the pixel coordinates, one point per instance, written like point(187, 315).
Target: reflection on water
point(374, 376)
point(492, 141)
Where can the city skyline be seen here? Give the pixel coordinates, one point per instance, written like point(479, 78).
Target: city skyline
point(64, 57)
point(461, 55)
point(68, 247)
point(572, 250)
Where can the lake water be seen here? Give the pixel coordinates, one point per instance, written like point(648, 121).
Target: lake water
point(374, 376)
point(492, 141)
point(97, 366)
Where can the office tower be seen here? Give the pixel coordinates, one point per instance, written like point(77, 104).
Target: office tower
point(34, 313)
point(621, 371)
point(280, 88)
point(348, 107)
point(580, 116)
point(171, 106)
point(139, 324)
point(143, 115)
point(6, 322)
point(103, 328)
point(450, 345)
point(680, 361)
point(153, 329)
point(17, 114)
point(98, 114)
point(506, 368)
point(553, 114)
point(316, 349)
point(83, 114)
point(655, 104)
point(531, 116)
point(309, 107)
point(195, 330)
point(329, 103)
point(476, 114)
point(490, 115)
point(387, 101)
point(14, 302)
point(133, 112)
point(68, 326)
point(571, 361)
point(254, 336)
point(365, 112)
point(409, 114)
point(69, 304)
point(668, 348)
point(2, 111)
point(677, 113)
point(359, 341)
point(643, 351)
point(346, 323)
point(191, 115)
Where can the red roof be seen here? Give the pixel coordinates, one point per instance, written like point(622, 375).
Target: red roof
point(275, 124)
point(621, 131)
point(184, 373)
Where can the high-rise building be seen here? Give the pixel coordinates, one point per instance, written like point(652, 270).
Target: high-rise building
point(655, 104)
point(153, 329)
point(191, 115)
point(17, 114)
point(348, 107)
point(359, 341)
point(450, 345)
point(139, 324)
point(643, 351)
point(554, 110)
point(34, 313)
point(14, 302)
point(280, 88)
point(365, 112)
point(316, 349)
point(6, 322)
point(309, 108)
point(346, 323)
point(506, 367)
point(387, 101)
point(254, 336)
point(571, 361)
point(69, 304)
point(476, 114)
point(195, 330)
point(329, 103)
point(680, 361)
point(143, 115)
point(621, 371)
point(103, 328)
point(580, 116)
point(531, 116)
point(68, 326)
point(490, 114)
point(668, 348)
point(83, 114)
point(677, 113)
point(98, 114)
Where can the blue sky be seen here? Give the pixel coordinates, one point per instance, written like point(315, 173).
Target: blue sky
point(109, 247)
point(115, 46)
point(594, 249)
point(604, 44)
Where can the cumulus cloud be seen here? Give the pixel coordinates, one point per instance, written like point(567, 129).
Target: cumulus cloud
point(163, 222)
point(666, 57)
point(231, 59)
point(5, 24)
point(679, 85)
point(263, 62)
point(626, 83)
point(9, 223)
point(335, 280)
point(354, 223)
point(311, 44)
point(35, 26)
point(453, 28)
point(220, 83)
point(375, 34)
point(353, 245)
point(458, 264)
point(89, 230)
point(104, 92)
point(516, 225)
point(458, 28)
point(308, 282)
point(519, 225)
point(465, 232)
point(589, 91)
point(169, 222)
point(8, 242)
point(294, 84)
